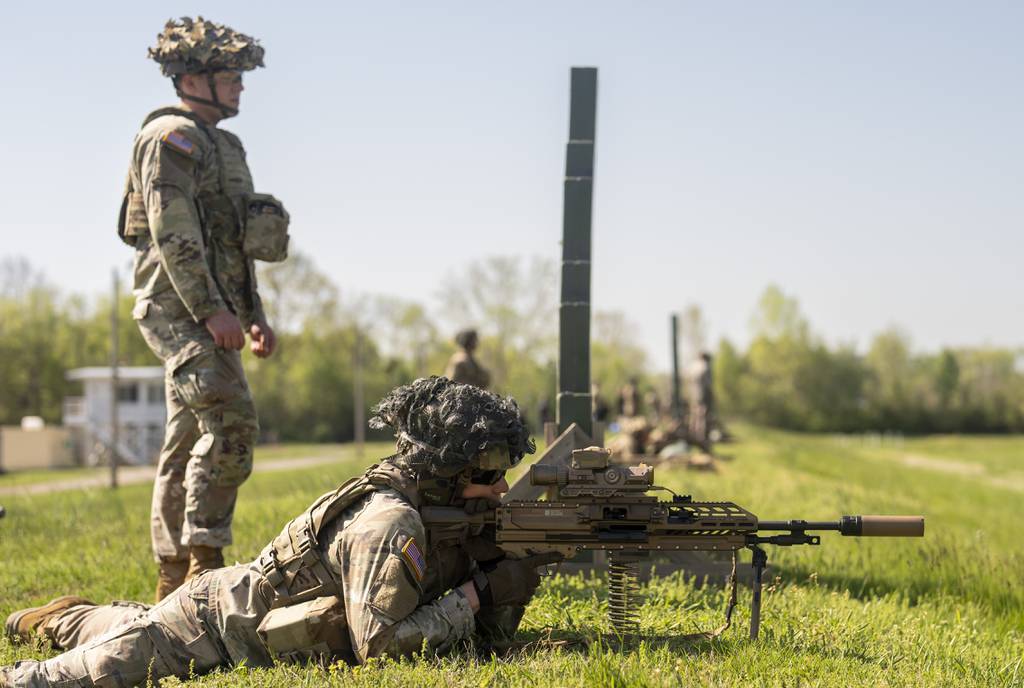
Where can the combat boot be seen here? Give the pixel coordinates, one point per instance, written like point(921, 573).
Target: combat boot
point(202, 558)
point(169, 577)
point(25, 624)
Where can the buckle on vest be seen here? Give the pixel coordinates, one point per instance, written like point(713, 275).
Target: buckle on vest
point(270, 569)
point(306, 548)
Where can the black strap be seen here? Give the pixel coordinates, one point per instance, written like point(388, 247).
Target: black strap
point(224, 109)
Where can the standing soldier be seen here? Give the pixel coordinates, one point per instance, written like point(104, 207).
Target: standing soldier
point(462, 366)
point(197, 226)
point(702, 403)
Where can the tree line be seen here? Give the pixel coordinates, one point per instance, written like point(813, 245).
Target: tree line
point(786, 376)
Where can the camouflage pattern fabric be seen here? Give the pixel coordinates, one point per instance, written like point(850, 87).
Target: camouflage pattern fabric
point(464, 368)
point(208, 441)
point(394, 605)
point(194, 47)
point(179, 168)
point(190, 181)
point(699, 383)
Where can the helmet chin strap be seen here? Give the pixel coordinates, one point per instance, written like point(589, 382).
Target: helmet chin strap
point(225, 110)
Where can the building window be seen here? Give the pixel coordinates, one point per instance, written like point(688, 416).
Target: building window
point(155, 394)
point(128, 393)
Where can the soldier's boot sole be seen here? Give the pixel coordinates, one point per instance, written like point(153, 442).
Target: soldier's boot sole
point(202, 558)
point(170, 577)
point(23, 624)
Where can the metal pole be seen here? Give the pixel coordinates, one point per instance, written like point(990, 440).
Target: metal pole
point(114, 379)
point(574, 310)
point(677, 398)
point(359, 410)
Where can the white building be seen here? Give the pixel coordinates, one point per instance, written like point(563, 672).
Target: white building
point(141, 413)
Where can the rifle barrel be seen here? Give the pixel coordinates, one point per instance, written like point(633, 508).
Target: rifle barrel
point(863, 526)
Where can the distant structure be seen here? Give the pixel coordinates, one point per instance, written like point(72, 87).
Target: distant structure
point(141, 414)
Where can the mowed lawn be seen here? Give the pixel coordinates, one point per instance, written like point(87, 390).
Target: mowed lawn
point(945, 610)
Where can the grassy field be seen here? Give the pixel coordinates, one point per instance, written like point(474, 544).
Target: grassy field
point(945, 610)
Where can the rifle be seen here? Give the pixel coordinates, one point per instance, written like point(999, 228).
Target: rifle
point(593, 505)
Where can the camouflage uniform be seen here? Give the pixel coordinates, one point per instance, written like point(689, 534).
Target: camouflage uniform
point(391, 606)
point(188, 212)
point(701, 400)
point(462, 367)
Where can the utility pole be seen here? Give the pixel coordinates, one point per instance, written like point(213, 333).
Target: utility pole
point(574, 403)
point(677, 398)
point(358, 396)
point(114, 379)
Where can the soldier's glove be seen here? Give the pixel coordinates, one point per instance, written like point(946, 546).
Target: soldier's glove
point(482, 549)
point(511, 581)
point(478, 505)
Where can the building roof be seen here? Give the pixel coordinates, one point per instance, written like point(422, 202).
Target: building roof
point(127, 373)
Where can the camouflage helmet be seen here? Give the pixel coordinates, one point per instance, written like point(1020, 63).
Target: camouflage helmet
point(448, 434)
point(201, 46)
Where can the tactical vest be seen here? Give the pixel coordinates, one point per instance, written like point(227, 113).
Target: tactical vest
point(238, 225)
point(293, 562)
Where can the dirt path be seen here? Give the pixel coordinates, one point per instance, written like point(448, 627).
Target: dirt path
point(133, 475)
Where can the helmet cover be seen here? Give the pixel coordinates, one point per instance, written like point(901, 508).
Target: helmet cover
point(444, 428)
point(202, 46)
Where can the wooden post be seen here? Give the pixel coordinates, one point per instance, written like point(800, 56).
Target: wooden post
point(114, 380)
point(677, 397)
point(358, 396)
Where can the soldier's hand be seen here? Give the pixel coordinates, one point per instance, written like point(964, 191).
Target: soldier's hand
point(226, 330)
point(483, 550)
point(264, 341)
point(512, 581)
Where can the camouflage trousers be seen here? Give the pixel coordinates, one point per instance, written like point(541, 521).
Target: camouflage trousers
point(209, 437)
point(207, 623)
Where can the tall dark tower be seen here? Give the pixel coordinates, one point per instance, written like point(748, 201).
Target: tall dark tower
point(574, 310)
point(677, 397)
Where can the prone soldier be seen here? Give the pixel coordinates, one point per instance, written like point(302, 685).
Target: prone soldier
point(355, 576)
point(197, 226)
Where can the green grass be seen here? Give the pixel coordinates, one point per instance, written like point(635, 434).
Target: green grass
point(49, 475)
point(945, 610)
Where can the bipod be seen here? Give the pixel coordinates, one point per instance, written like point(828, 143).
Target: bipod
point(759, 562)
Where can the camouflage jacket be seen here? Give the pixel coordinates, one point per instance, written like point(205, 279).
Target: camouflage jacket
point(366, 544)
point(462, 367)
point(399, 597)
point(184, 200)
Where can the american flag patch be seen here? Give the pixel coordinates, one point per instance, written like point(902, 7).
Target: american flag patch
point(415, 559)
point(179, 143)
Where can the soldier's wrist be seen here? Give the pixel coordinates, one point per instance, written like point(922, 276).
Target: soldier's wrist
point(482, 588)
point(202, 311)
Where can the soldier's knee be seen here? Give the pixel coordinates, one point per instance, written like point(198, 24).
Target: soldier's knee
point(228, 455)
point(208, 382)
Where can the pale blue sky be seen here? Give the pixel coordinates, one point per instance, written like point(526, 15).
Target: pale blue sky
point(866, 157)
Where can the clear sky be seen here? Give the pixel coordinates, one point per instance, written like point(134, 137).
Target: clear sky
point(866, 157)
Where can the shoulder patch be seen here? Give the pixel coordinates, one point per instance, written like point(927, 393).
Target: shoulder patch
point(179, 142)
point(414, 558)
